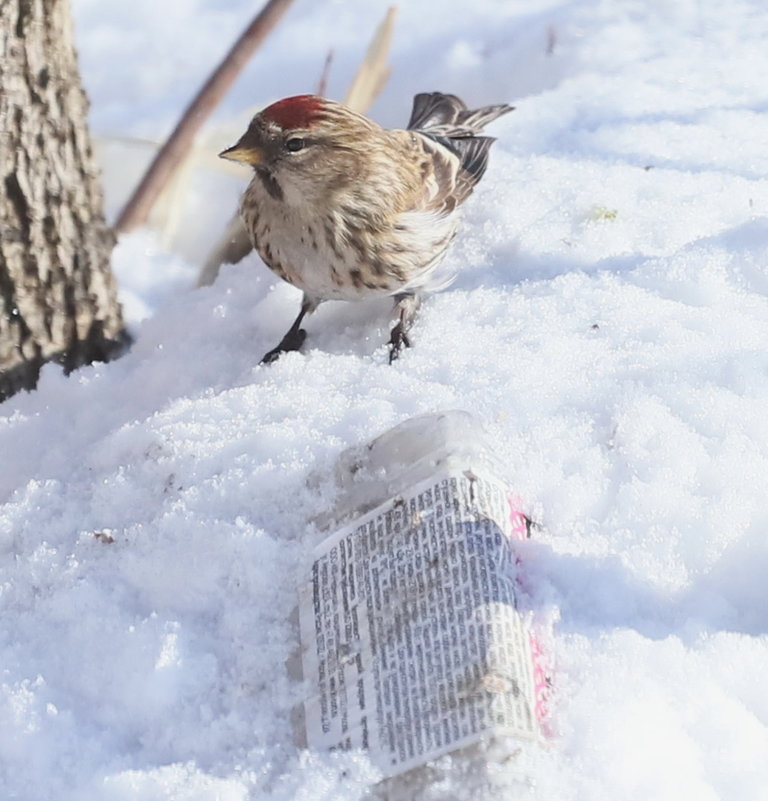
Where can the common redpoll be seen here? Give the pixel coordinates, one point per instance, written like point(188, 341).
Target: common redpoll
point(346, 210)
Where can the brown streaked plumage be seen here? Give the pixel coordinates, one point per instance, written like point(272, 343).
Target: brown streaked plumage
point(346, 210)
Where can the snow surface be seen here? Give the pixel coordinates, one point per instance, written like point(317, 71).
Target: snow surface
point(609, 325)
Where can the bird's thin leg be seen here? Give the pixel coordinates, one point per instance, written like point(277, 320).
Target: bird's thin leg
point(296, 335)
point(407, 304)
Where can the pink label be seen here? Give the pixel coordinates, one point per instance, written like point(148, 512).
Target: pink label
point(518, 520)
point(542, 685)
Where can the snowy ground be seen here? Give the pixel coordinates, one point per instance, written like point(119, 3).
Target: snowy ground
point(609, 324)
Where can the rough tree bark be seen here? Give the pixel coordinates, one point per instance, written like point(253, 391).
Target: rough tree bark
point(58, 299)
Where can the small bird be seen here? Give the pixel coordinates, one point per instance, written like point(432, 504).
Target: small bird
point(344, 209)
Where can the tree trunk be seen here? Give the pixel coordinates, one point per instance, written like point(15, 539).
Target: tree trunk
point(58, 299)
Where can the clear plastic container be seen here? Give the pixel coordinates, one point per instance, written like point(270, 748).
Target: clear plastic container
point(412, 638)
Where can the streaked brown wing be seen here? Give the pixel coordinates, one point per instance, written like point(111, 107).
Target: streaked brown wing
point(450, 170)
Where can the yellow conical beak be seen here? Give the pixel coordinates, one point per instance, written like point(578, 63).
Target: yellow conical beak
point(244, 154)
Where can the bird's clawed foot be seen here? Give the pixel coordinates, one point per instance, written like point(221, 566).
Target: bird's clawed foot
point(296, 335)
point(397, 341)
point(406, 304)
point(293, 340)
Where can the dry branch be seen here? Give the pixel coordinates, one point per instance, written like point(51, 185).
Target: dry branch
point(168, 158)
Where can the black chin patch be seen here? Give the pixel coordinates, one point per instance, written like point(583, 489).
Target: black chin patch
point(274, 190)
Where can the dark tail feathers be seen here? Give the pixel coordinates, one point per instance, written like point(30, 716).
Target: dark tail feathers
point(447, 115)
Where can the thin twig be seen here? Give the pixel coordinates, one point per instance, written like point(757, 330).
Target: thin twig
point(322, 84)
point(372, 73)
point(551, 40)
point(178, 144)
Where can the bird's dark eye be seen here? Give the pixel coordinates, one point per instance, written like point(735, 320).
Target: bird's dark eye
point(294, 144)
